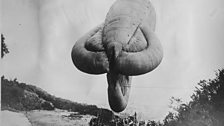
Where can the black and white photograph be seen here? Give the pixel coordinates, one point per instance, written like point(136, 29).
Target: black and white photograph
point(112, 63)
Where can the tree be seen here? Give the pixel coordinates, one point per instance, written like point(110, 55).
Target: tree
point(4, 49)
point(206, 107)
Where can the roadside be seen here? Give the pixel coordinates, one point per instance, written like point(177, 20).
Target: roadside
point(57, 118)
point(9, 118)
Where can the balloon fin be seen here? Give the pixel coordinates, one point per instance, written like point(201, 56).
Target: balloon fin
point(88, 53)
point(143, 61)
point(118, 91)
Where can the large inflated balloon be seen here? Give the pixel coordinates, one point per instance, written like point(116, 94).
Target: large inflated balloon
point(124, 45)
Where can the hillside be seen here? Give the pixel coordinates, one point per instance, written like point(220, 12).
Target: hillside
point(24, 97)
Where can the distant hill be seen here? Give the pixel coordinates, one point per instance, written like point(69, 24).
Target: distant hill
point(24, 97)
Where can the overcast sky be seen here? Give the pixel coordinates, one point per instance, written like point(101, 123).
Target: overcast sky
point(41, 33)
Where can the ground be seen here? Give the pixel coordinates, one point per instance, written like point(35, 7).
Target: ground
point(44, 118)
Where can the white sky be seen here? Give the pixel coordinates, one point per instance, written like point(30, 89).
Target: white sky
point(41, 33)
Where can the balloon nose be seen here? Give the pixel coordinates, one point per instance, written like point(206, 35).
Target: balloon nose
point(113, 50)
